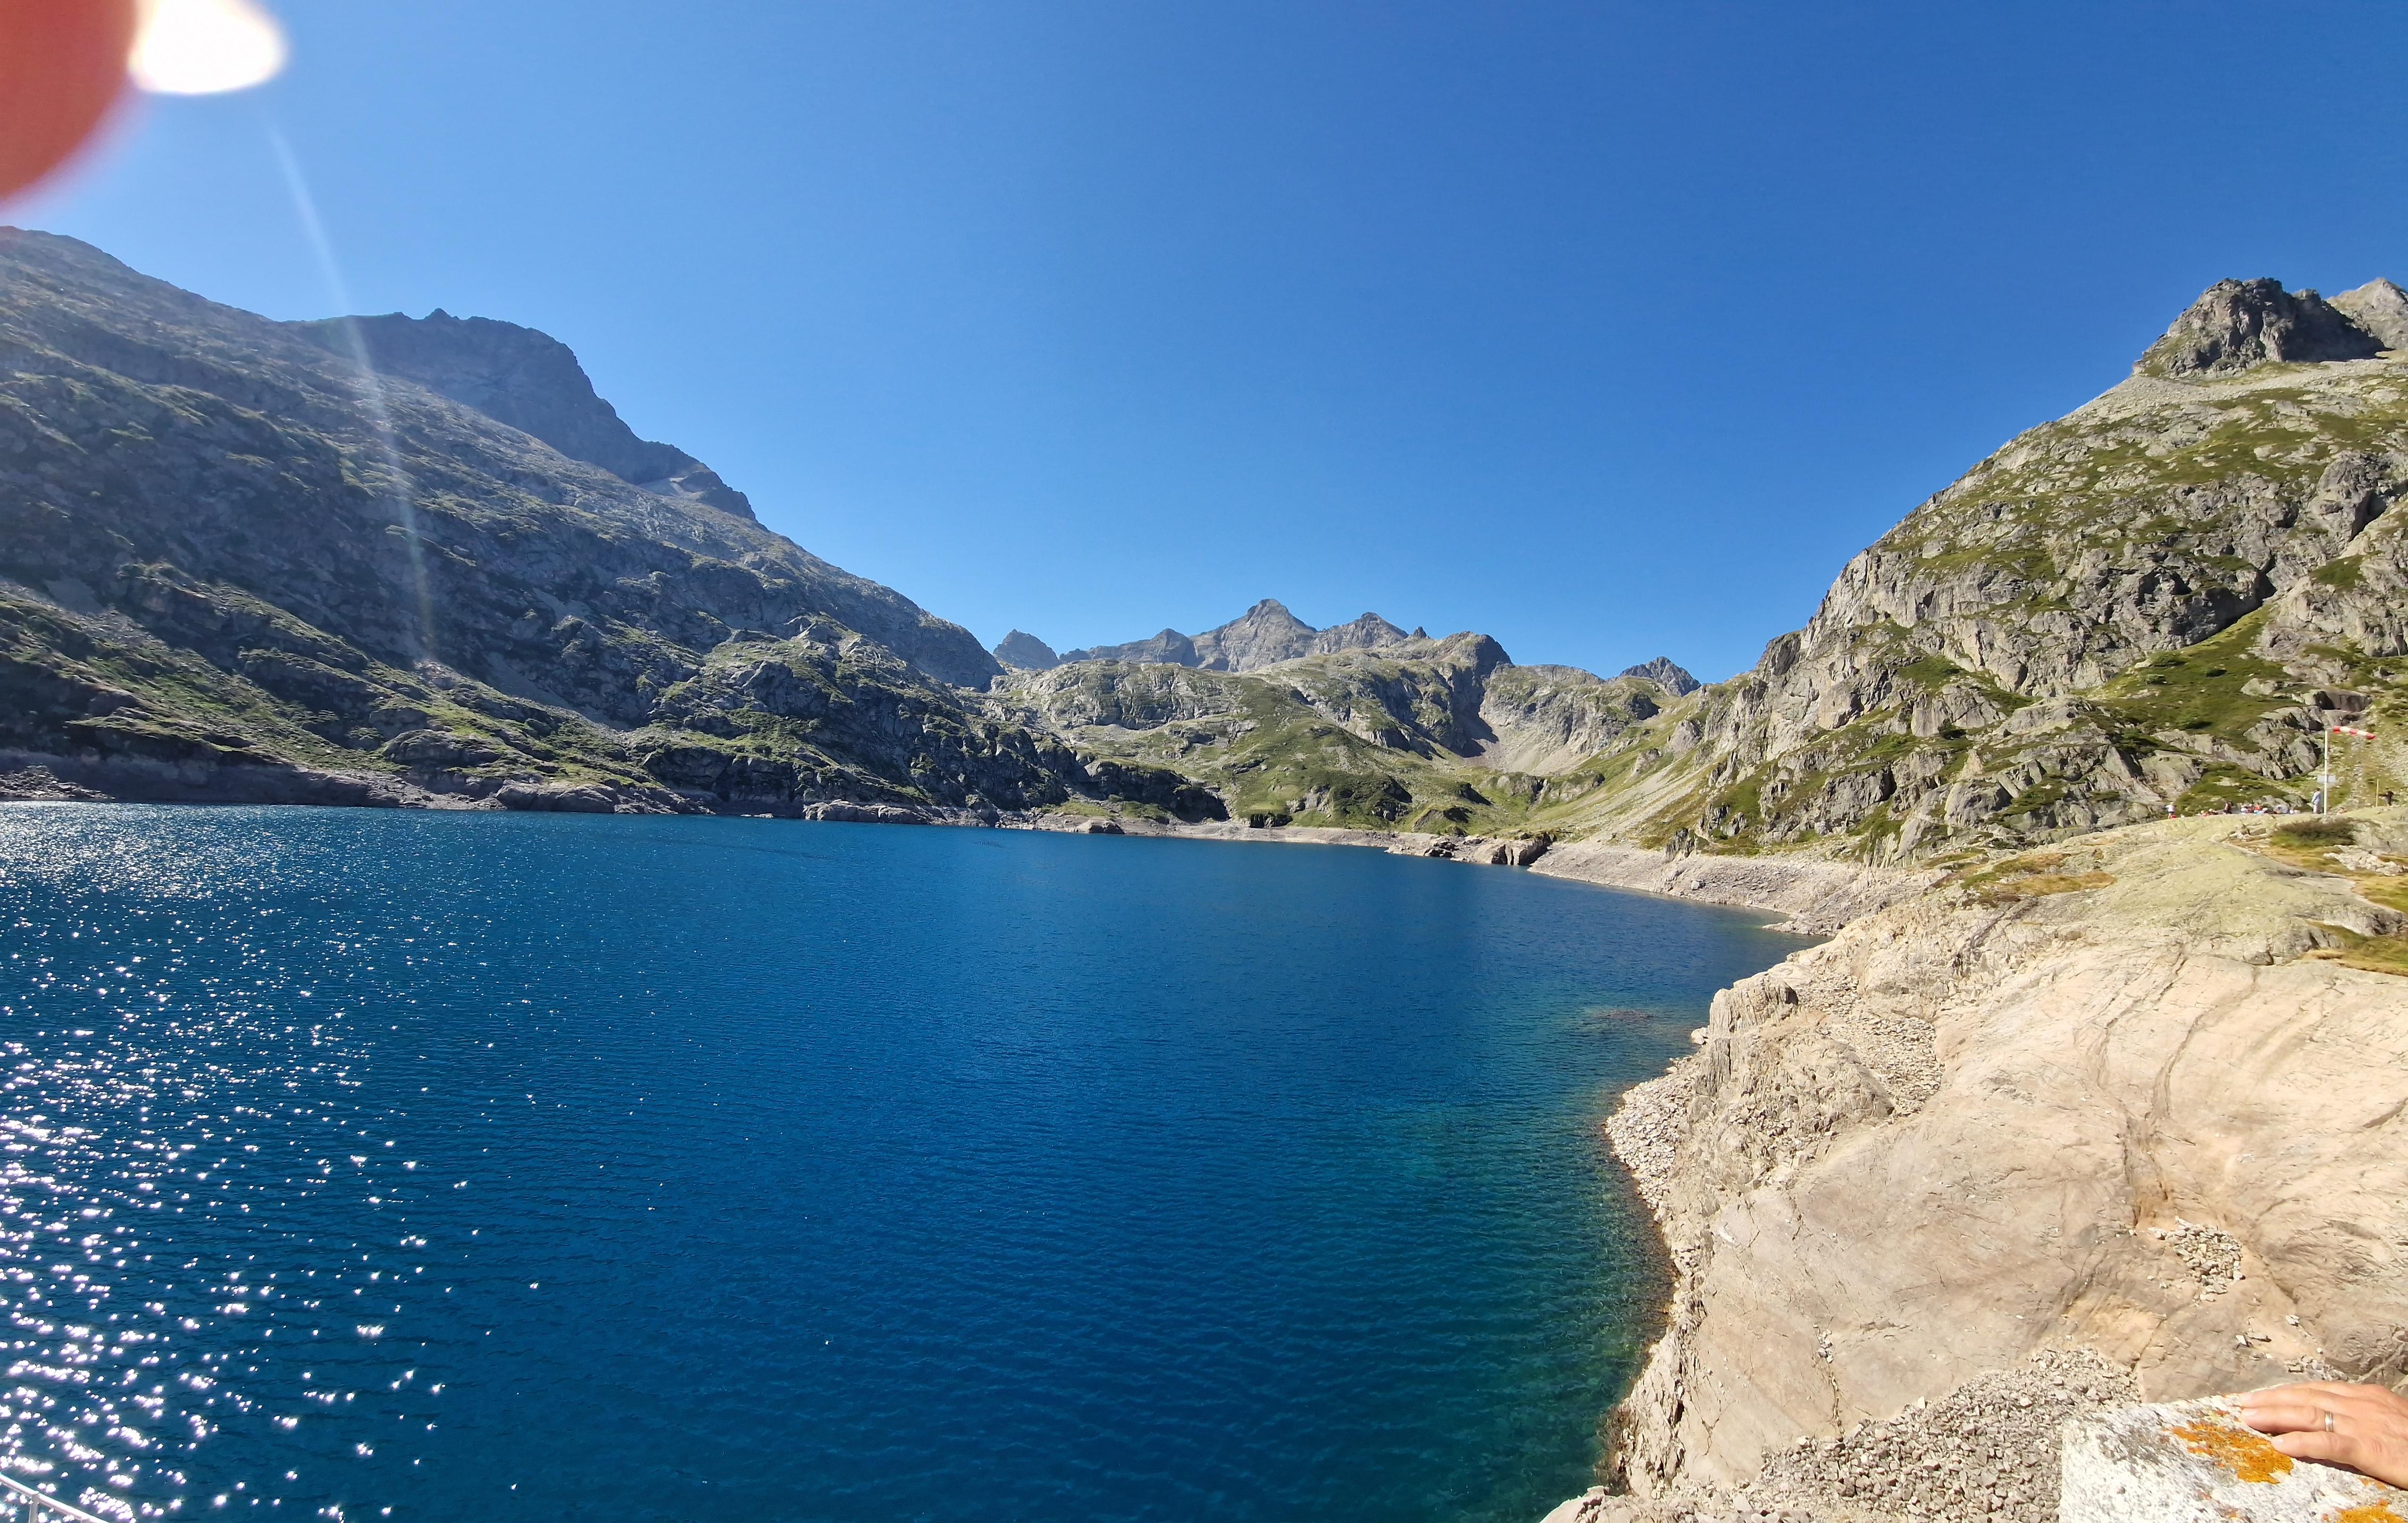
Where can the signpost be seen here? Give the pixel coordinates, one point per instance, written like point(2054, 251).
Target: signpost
point(2325, 773)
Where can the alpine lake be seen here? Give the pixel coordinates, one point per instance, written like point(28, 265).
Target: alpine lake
point(367, 1164)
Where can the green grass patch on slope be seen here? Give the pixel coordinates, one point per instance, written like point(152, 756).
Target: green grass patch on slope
point(2201, 689)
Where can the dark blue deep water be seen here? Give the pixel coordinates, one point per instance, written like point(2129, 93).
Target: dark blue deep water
point(517, 1167)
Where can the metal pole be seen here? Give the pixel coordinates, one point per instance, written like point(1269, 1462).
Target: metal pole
point(38, 1507)
point(2324, 774)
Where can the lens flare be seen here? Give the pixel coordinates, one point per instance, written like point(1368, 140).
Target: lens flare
point(62, 68)
point(205, 47)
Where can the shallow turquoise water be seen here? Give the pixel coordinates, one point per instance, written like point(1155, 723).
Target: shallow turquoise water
point(529, 1167)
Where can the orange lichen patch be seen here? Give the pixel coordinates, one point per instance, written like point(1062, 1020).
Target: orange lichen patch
point(2373, 1512)
point(2243, 1453)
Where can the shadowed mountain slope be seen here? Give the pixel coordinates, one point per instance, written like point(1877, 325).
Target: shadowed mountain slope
point(528, 380)
point(1022, 650)
point(233, 569)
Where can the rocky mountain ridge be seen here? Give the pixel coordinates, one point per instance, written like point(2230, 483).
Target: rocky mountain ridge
point(1666, 674)
point(1264, 634)
point(227, 555)
point(232, 565)
point(1419, 734)
point(528, 380)
point(2155, 602)
point(2237, 326)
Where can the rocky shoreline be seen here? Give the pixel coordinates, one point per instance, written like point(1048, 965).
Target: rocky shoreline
point(1818, 896)
point(2112, 1122)
point(1815, 896)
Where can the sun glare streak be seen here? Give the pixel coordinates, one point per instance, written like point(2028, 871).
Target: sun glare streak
point(205, 47)
point(371, 385)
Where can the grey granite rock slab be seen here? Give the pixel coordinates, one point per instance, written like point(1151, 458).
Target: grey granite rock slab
point(2197, 1462)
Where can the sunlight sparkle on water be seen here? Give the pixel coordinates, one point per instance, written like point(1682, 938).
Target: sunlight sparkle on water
point(759, 1161)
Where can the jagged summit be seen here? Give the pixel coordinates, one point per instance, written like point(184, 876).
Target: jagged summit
point(1026, 652)
point(2236, 324)
point(1672, 679)
point(1263, 636)
point(533, 383)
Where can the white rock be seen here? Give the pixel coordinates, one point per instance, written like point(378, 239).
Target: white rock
point(2196, 1463)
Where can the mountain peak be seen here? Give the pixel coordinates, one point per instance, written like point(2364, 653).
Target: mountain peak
point(1665, 675)
point(529, 380)
point(1025, 650)
point(2381, 308)
point(1264, 634)
point(2237, 324)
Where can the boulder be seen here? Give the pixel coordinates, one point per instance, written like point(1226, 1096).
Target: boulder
point(589, 798)
point(864, 814)
point(439, 748)
point(2196, 1461)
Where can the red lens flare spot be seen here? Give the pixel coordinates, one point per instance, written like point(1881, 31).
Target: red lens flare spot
point(62, 68)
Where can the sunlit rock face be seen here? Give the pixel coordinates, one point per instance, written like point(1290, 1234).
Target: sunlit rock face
point(2172, 1461)
point(2155, 602)
point(2049, 1137)
point(2381, 308)
point(2239, 323)
point(1666, 673)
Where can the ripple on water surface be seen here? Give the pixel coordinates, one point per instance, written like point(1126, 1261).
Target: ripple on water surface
point(363, 1164)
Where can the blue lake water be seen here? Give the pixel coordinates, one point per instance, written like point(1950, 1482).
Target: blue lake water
point(366, 1164)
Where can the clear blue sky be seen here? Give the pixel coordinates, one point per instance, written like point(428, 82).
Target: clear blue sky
point(1609, 329)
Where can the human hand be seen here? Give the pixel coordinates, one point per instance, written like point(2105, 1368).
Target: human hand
point(2362, 1427)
